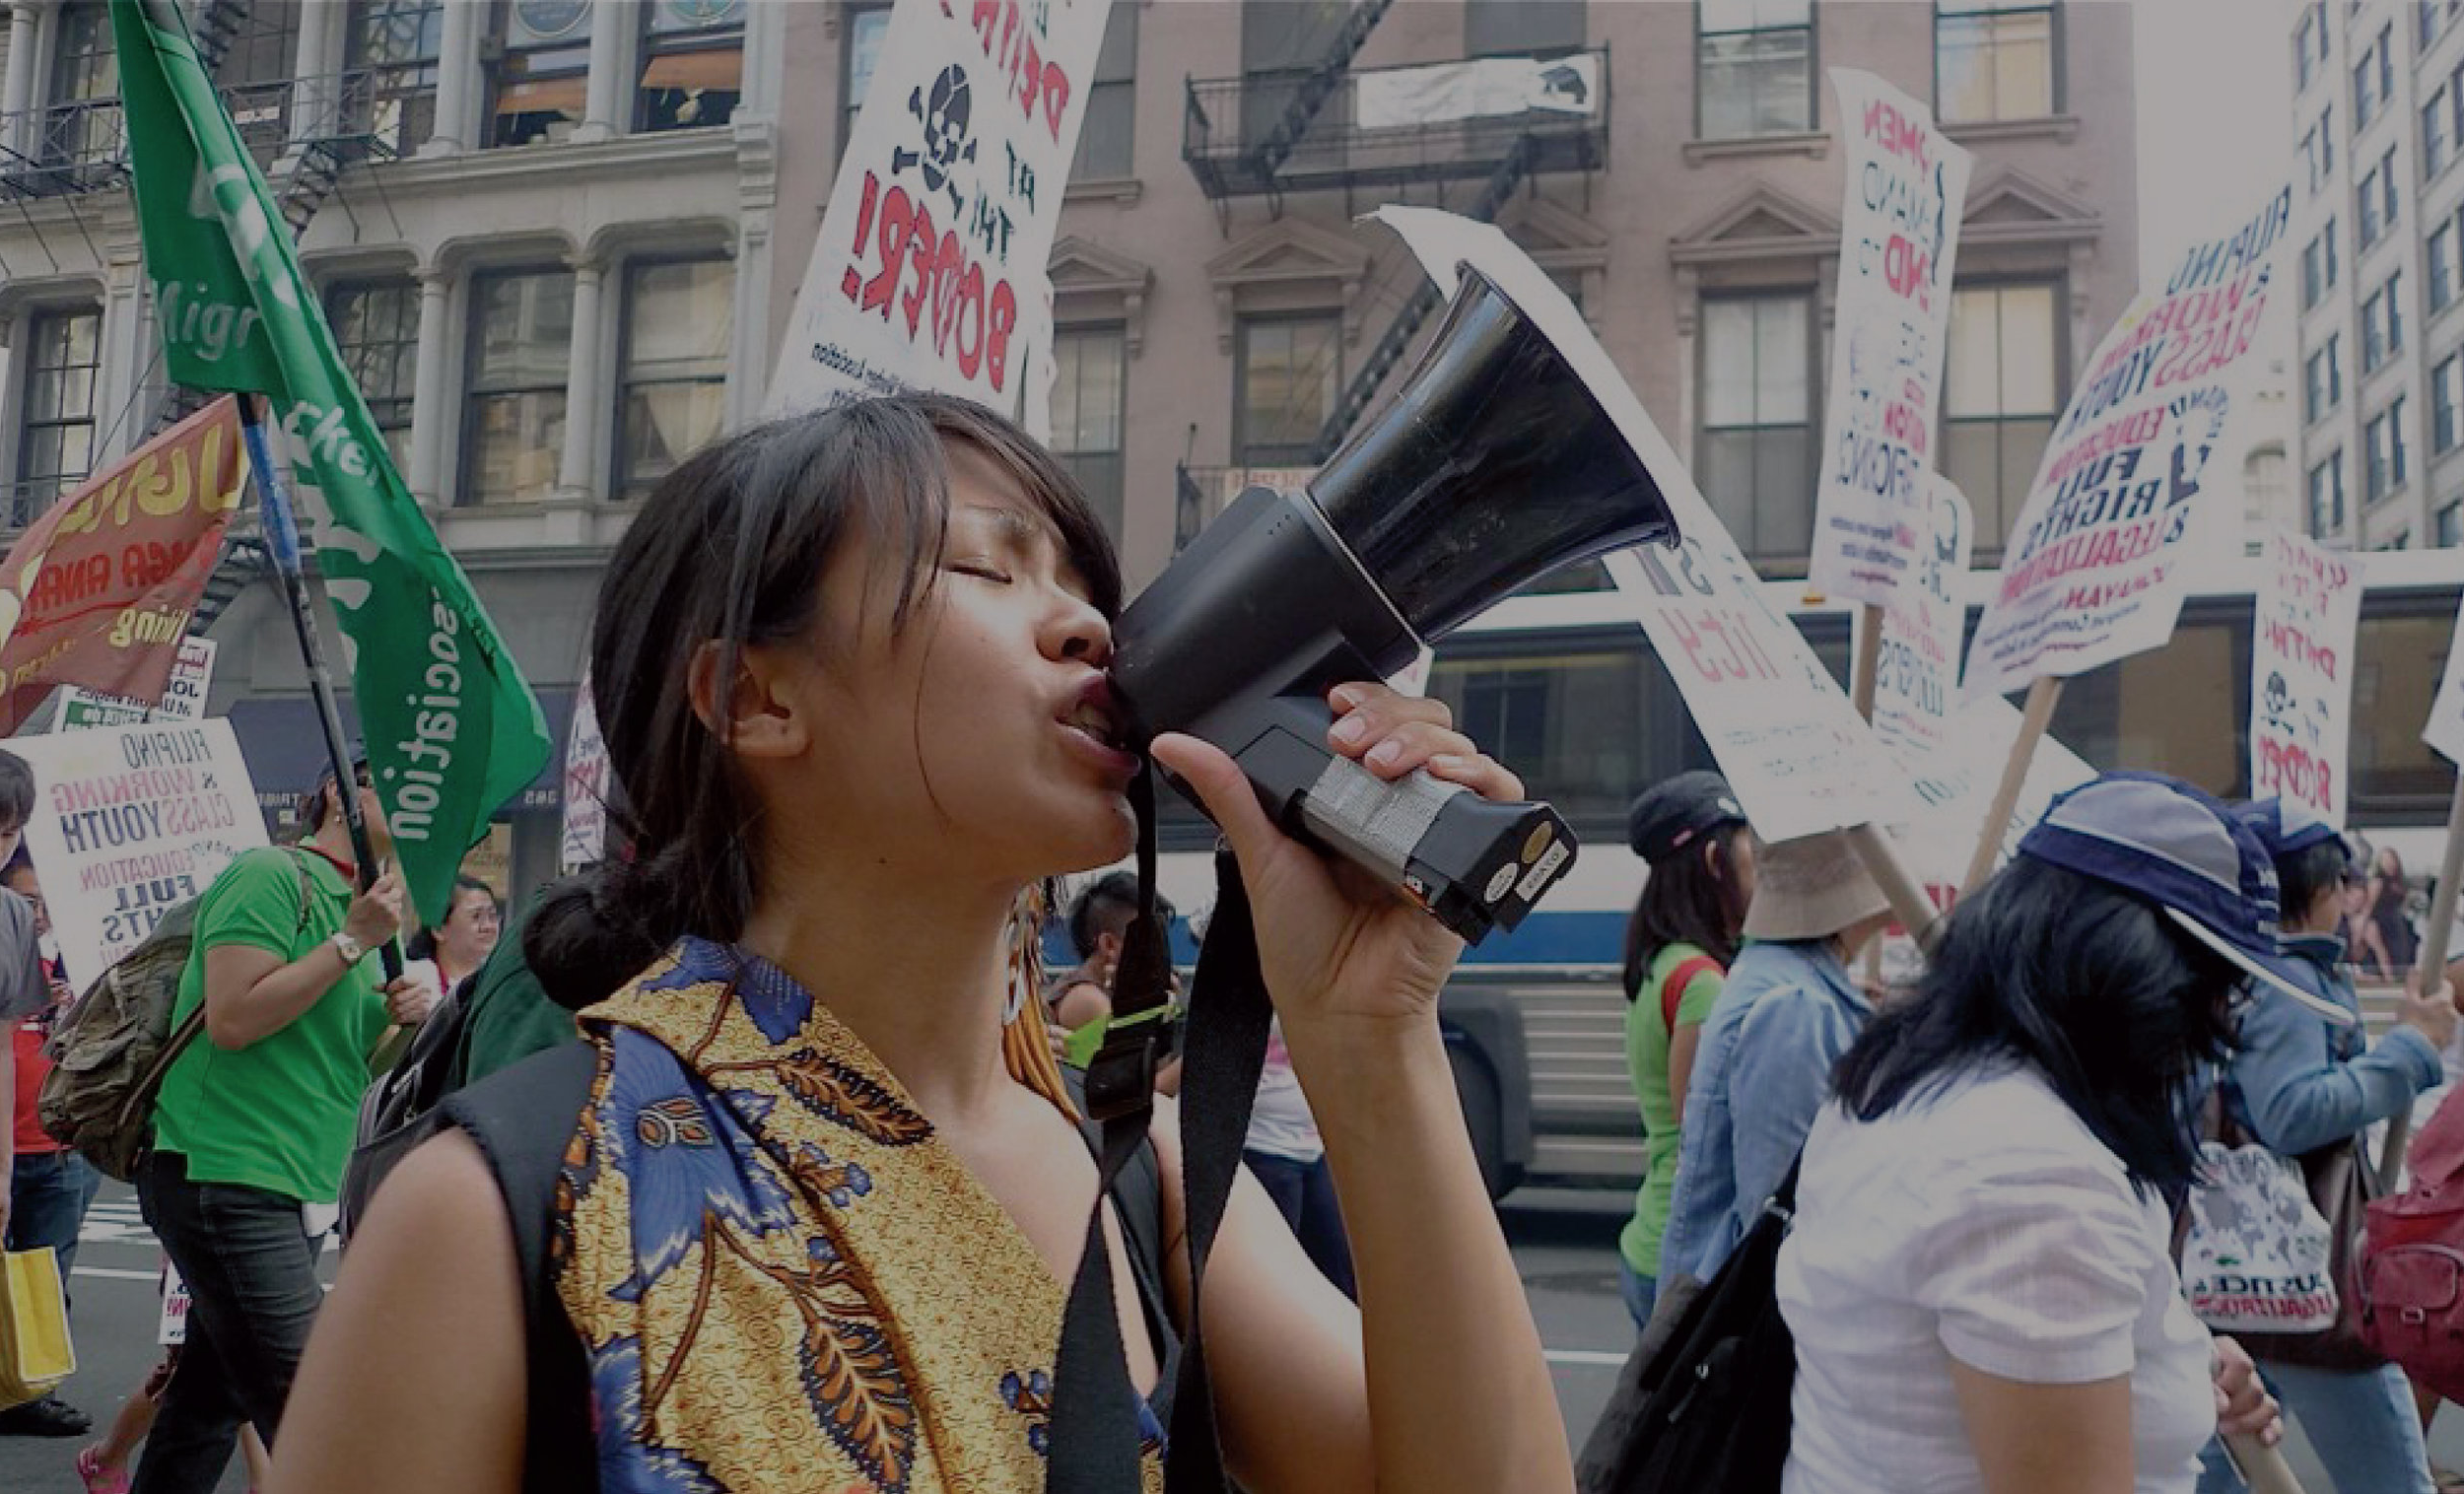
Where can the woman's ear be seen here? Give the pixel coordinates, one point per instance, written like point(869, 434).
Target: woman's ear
point(756, 712)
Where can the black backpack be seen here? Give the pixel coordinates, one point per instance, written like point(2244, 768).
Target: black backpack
point(1702, 1403)
point(397, 1112)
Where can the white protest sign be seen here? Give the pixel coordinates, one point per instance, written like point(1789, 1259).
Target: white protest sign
point(1900, 237)
point(130, 822)
point(2445, 731)
point(2306, 625)
point(183, 699)
point(1798, 757)
point(2091, 572)
point(931, 269)
point(1409, 97)
point(588, 777)
point(1957, 785)
point(1917, 673)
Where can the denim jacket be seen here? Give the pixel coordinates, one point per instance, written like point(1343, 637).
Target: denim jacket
point(2297, 1082)
point(1761, 1076)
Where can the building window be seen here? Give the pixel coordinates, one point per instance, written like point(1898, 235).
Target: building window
point(1087, 402)
point(2327, 498)
point(2438, 132)
point(2309, 45)
point(1756, 455)
point(522, 335)
point(1107, 141)
point(55, 440)
point(375, 324)
point(692, 64)
point(2318, 266)
point(255, 77)
point(82, 127)
point(539, 78)
point(391, 53)
point(2002, 393)
point(2318, 149)
point(2442, 266)
point(2373, 79)
point(2384, 445)
point(1995, 59)
point(1522, 27)
point(1289, 374)
point(2446, 396)
point(679, 318)
point(868, 27)
point(2447, 525)
point(1754, 68)
point(2379, 199)
point(2382, 325)
point(2323, 380)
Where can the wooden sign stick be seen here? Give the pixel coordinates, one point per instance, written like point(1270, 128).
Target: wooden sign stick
point(1861, 675)
point(2042, 695)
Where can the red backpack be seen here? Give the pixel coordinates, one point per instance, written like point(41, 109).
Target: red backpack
point(2409, 1278)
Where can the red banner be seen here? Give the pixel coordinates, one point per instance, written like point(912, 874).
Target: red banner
point(99, 591)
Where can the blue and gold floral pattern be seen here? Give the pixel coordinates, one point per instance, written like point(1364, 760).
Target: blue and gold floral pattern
point(784, 1280)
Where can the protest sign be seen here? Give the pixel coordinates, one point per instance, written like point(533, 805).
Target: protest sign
point(2091, 574)
point(1900, 235)
point(1916, 682)
point(1956, 782)
point(1485, 88)
point(130, 822)
point(1798, 757)
point(929, 270)
point(2445, 730)
point(588, 778)
point(2307, 621)
point(183, 698)
point(101, 588)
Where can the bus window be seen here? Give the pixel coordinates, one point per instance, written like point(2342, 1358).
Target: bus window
point(2182, 708)
point(1585, 728)
point(2397, 669)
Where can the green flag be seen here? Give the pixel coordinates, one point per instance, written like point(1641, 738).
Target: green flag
point(451, 729)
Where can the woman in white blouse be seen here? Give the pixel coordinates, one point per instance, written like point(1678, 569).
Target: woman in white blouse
point(1979, 1278)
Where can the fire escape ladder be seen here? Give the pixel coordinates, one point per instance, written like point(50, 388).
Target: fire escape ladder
point(1321, 85)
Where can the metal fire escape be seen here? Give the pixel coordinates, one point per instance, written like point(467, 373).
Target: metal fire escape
point(1268, 135)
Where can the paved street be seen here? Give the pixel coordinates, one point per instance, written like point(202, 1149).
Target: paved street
point(1564, 1244)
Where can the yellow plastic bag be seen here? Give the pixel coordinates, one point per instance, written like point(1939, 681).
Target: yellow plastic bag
point(35, 1353)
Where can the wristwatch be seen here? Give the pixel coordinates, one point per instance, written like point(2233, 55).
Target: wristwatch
point(351, 949)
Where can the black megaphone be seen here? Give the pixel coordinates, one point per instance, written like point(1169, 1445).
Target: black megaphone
point(1493, 466)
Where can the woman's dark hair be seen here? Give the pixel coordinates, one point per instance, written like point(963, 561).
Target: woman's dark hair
point(2093, 988)
point(423, 945)
point(1688, 899)
point(2305, 873)
point(731, 548)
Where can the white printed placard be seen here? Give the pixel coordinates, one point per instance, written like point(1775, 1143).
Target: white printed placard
point(2308, 622)
point(1485, 88)
point(1798, 757)
point(1956, 783)
point(1916, 677)
point(183, 699)
point(1899, 240)
point(2445, 731)
point(130, 822)
point(2091, 572)
point(929, 272)
point(588, 778)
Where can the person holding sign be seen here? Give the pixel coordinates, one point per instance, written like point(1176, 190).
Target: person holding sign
point(1691, 833)
point(2299, 1083)
point(254, 1121)
point(825, 1184)
point(1980, 1279)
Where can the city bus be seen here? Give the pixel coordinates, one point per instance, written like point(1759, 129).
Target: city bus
point(1563, 688)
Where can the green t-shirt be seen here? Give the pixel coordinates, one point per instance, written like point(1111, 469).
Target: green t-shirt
point(278, 1113)
point(1647, 1062)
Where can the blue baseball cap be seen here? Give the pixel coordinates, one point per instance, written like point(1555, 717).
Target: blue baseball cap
point(2183, 850)
point(2285, 833)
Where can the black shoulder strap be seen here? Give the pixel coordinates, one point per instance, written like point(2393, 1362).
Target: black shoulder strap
point(1138, 1197)
point(521, 1119)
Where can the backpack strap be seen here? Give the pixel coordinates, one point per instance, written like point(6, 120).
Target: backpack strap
point(150, 1084)
point(521, 1119)
point(1673, 989)
point(1138, 1197)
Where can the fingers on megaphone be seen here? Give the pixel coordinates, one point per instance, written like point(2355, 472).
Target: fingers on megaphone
point(1221, 786)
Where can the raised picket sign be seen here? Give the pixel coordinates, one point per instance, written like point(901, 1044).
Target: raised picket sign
point(1798, 757)
point(2091, 572)
point(1900, 241)
point(183, 699)
point(587, 782)
point(130, 822)
point(929, 272)
point(2445, 731)
point(1916, 683)
point(2306, 625)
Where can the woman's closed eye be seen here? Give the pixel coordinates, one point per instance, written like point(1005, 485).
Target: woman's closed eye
point(982, 569)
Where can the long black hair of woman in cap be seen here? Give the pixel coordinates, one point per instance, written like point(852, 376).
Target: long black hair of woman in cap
point(1690, 831)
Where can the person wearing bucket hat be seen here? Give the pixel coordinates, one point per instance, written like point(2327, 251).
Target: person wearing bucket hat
point(1690, 832)
point(1979, 1276)
point(2300, 1084)
point(1790, 1008)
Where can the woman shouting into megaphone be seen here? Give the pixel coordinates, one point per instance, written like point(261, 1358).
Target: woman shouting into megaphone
point(812, 1186)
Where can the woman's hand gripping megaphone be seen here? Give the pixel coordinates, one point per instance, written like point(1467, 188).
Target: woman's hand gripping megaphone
point(1338, 946)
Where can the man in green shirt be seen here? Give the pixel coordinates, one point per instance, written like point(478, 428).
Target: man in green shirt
point(254, 1122)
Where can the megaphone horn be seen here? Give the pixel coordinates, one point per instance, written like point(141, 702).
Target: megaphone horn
point(1492, 466)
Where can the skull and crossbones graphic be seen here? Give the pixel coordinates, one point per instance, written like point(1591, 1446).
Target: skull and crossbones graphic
point(944, 114)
